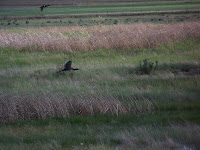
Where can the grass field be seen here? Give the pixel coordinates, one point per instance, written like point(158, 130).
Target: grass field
point(8, 14)
point(73, 2)
point(99, 8)
point(99, 21)
point(109, 103)
point(137, 87)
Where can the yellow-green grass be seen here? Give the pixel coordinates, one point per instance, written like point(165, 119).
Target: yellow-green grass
point(108, 81)
point(108, 103)
point(157, 131)
point(98, 8)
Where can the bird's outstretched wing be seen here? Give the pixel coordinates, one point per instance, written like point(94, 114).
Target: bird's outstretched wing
point(41, 8)
point(68, 65)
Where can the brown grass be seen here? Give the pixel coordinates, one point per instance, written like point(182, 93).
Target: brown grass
point(43, 106)
point(98, 37)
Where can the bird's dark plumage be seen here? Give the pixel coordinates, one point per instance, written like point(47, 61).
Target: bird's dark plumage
point(43, 6)
point(68, 67)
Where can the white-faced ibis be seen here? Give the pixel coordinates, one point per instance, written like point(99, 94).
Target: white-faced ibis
point(68, 67)
point(43, 6)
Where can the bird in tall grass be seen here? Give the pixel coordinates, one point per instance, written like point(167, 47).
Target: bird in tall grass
point(68, 67)
point(43, 6)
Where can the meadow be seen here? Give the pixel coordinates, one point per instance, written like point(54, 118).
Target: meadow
point(96, 21)
point(109, 102)
point(8, 11)
point(137, 87)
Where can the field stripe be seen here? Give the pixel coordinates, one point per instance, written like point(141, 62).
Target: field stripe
point(104, 15)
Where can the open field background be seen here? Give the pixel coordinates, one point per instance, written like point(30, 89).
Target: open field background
point(99, 21)
point(71, 2)
point(80, 15)
point(116, 37)
point(113, 101)
point(109, 103)
point(99, 8)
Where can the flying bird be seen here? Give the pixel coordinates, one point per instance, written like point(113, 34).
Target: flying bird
point(43, 6)
point(68, 67)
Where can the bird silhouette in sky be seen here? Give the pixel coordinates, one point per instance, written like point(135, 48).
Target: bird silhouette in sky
point(68, 67)
point(43, 6)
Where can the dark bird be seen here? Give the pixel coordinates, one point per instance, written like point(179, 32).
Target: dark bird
point(68, 67)
point(43, 6)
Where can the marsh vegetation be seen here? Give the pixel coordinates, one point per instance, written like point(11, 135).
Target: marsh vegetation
point(137, 87)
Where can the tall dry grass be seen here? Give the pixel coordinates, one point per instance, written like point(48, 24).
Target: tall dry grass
point(43, 106)
point(98, 37)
